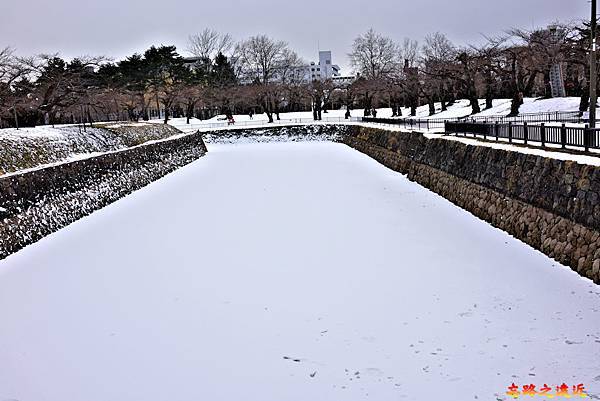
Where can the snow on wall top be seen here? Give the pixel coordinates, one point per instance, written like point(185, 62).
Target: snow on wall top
point(33, 147)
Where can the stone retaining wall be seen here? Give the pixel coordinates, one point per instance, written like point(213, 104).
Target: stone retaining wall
point(286, 133)
point(550, 204)
point(36, 203)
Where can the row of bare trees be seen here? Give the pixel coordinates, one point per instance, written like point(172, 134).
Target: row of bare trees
point(515, 65)
point(260, 74)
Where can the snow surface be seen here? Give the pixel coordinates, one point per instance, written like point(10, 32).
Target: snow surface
point(592, 158)
point(289, 271)
point(461, 108)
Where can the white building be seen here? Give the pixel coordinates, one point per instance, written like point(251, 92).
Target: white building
point(324, 69)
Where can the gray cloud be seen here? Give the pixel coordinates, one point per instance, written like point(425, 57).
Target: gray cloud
point(118, 28)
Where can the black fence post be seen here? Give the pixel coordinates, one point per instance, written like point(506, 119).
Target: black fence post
point(543, 134)
point(563, 135)
point(525, 132)
point(497, 129)
point(510, 131)
point(586, 138)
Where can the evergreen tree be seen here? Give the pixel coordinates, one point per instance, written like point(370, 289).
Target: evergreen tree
point(222, 74)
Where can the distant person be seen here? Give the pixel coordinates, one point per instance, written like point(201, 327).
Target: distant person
point(230, 120)
point(347, 115)
point(374, 113)
point(251, 114)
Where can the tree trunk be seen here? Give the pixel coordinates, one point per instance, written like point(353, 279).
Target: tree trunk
point(166, 115)
point(431, 107)
point(489, 101)
point(475, 105)
point(489, 91)
point(368, 102)
point(89, 116)
point(157, 107)
point(516, 102)
point(547, 85)
point(584, 102)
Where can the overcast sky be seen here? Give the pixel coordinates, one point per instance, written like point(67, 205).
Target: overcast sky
point(117, 28)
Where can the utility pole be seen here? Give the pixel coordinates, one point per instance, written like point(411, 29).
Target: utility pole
point(593, 71)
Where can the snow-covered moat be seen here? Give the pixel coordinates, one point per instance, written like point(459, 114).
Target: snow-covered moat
point(289, 272)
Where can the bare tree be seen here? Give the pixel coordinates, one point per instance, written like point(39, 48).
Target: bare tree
point(438, 57)
point(374, 55)
point(189, 96)
point(319, 93)
point(397, 85)
point(466, 74)
point(489, 59)
point(518, 69)
point(548, 46)
point(578, 63)
point(409, 52)
point(263, 61)
point(13, 70)
point(209, 43)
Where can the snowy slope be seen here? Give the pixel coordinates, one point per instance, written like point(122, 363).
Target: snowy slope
point(27, 148)
point(289, 271)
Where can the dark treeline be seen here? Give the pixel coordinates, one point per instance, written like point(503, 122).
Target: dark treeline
point(262, 75)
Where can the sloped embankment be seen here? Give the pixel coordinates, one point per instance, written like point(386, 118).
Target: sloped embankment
point(28, 148)
point(38, 202)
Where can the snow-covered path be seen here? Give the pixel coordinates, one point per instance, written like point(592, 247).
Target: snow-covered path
point(289, 271)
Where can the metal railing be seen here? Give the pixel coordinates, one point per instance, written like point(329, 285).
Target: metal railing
point(546, 117)
point(257, 123)
point(439, 123)
point(412, 123)
point(525, 133)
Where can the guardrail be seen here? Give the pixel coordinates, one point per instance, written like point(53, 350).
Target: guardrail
point(542, 134)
